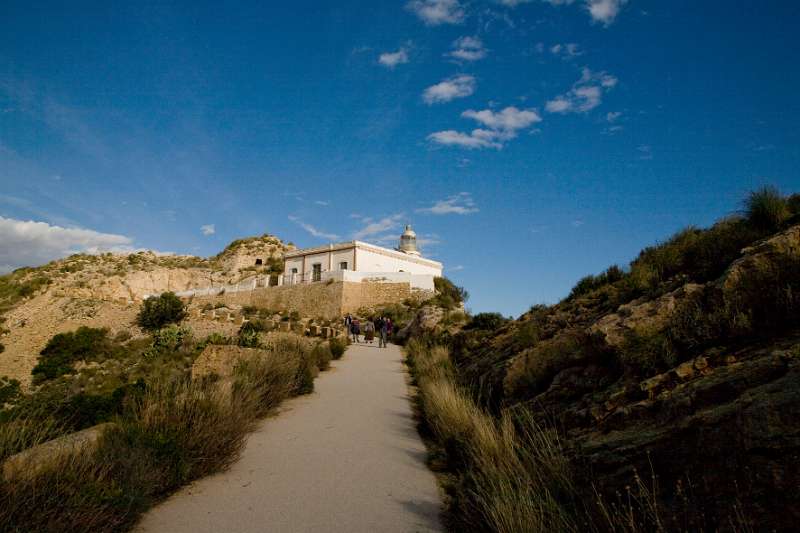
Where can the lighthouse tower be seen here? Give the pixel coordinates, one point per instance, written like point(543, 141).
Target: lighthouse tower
point(408, 242)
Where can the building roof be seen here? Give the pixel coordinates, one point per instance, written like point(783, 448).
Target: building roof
point(365, 246)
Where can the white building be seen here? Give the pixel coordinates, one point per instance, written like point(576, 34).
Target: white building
point(360, 261)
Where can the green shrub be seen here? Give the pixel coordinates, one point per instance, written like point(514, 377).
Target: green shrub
point(158, 311)
point(591, 283)
point(217, 338)
point(448, 295)
point(170, 338)
point(248, 335)
point(337, 347)
point(486, 321)
point(64, 349)
point(766, 208)
point(322, 355)
point(9, 390)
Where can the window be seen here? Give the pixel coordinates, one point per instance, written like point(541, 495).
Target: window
point(259, 262)
point(343, 265)
point(294, 271)
point(316, 272)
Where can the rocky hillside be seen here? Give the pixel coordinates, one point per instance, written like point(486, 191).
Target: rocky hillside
point(104, 291)
point(682, 372)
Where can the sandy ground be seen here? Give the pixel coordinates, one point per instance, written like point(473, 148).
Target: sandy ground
point(345, 458)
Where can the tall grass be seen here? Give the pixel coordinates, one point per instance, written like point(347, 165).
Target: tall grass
point(510, 474)
point(174, 432)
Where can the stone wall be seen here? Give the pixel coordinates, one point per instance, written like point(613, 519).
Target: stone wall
point(365, 294)
point(327, 300)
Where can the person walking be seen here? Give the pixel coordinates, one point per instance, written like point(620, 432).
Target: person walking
point(384, 332)
point(355, 329)
point(348, 320)
point(369, 331)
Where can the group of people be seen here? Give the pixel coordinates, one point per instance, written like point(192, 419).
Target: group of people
point(382, 326)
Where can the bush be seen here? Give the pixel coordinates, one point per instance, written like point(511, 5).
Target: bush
point(170, 339)
point(591, 283)
point(486, 321)
point(766, 209)
point(158, 311)
point(64, 349)
point(248, 335)
point(322, 355)
point(337, 347)
point(9, 390)
point(448, 295)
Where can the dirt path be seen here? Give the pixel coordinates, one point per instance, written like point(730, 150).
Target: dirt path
point(346, 458)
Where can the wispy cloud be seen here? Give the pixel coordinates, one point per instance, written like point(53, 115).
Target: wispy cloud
point(323, 203)
point(500, 126)
point(566, 50)
point(27, 243)
point(458, 204)
point(376, 227)
point(467, 49)
point(314, 231)
point(450, 89)
point(437, 12)
point(208, 229)
point(585, 95)
point(392, 59)
point(601, 11)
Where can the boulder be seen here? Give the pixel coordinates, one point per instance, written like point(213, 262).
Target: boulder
point(33, 460)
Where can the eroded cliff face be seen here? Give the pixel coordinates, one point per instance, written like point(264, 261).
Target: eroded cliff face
point(106, 291)
point(696, 390)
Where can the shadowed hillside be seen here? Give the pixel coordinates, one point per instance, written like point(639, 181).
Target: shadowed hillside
point(673, 387)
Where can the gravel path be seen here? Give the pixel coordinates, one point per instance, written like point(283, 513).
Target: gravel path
point(345, 458)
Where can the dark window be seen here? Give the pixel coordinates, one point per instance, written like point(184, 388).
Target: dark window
point(343, 265)
point(259, 262)
point(316, 273)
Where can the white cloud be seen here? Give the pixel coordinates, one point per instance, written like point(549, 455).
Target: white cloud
point(373, 228)
point(566, 50)
point(447, 90)
point(314, 231)
point(468, 49)
point(463, 140)
point(604, 11)
point(509, 119)
point(612, 116)
point(502, 126)
point(436, 12)
point(322, 202)
point(585, 95)
point(27, 243)
point(392, 59)
point(208, 229)
point(458, 204)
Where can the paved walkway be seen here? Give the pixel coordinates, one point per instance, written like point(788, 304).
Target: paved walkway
point(345, 458)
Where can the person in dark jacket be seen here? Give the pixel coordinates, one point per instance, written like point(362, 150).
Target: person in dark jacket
point(355, 329)
point(383, 330)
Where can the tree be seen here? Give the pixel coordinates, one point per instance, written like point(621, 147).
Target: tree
point(158, 311)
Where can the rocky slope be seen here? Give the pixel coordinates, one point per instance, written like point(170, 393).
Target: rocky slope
point(105, 291)
point(692, 385)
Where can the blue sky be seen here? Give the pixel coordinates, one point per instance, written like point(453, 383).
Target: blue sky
point(529, 142)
